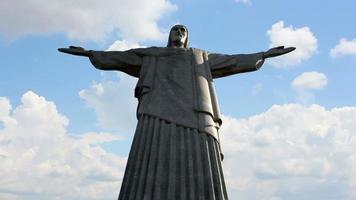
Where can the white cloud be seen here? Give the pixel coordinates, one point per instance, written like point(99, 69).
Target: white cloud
point(304, 152)
point(306, 83)
point(247, 2)
point(344, 48)
point(40, 160)
point(114, 103)
point(84, 19)
point(123, 45)
point(289, 150)
point(97, 138)
point(301, 38)
point(310, 80)
point(5, 108)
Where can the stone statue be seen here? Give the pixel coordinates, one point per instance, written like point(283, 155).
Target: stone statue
point(175, 154)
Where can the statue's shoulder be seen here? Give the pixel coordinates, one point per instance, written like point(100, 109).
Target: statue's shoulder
point(162, 51)
point(150, 51)
point(196, 49)
point(199, 51)
point(144, 50)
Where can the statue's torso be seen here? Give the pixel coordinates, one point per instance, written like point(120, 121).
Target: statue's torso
point(176, 88)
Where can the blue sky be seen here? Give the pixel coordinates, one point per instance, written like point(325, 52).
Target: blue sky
point(289, 128)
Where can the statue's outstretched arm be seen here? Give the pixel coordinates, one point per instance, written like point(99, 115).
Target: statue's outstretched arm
point(222, 65)
point(125, 61)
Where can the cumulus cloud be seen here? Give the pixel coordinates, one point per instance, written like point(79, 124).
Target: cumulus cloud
point(291, 152)
point(84, 19)
point(288, 152)
point(114, 103)
point(301, 38)
point(344, 48)
point(123, 45)
point(306, 83)
point(310, 80)
point(40, 160)
point(5, 108)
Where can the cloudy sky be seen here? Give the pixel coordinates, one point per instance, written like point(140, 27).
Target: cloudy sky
point(289, 130)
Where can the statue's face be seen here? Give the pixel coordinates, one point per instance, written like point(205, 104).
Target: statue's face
point(178, 34)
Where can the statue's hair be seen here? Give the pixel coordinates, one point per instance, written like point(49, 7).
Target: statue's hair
point(169, 44)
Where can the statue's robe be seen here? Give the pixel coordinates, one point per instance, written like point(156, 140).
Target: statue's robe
point(176, 152)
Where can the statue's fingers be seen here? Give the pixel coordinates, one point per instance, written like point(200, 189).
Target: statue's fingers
point(69, 51)
point(74, 51)
point(289, 49)
point(75, 47)
point(286, 50)
point(64, 50)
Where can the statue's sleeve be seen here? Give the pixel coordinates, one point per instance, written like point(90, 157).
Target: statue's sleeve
point(225, 65)
point(124, 61)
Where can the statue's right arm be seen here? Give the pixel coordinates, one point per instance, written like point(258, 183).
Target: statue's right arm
point(124, 61)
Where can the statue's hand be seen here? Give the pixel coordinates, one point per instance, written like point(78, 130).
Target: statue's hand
point(78, 51)
point(277, 51)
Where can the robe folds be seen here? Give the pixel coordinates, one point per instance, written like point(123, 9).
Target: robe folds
point(176, 146)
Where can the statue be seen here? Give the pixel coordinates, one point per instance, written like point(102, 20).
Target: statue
point(175, 154)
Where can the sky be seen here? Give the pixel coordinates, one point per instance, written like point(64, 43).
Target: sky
point(289, 129)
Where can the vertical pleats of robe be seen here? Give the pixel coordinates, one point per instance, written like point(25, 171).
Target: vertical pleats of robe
point(170, 162)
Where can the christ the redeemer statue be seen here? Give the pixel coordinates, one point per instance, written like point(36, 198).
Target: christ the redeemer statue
point(175, 154)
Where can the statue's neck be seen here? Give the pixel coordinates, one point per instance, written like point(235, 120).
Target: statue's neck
point(177, 44)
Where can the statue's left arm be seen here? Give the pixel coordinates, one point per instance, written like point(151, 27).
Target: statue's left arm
point(222, 65)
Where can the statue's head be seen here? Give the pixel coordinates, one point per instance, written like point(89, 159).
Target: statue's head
point(178, 37)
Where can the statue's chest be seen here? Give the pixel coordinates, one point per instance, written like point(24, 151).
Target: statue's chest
point(176, 68)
